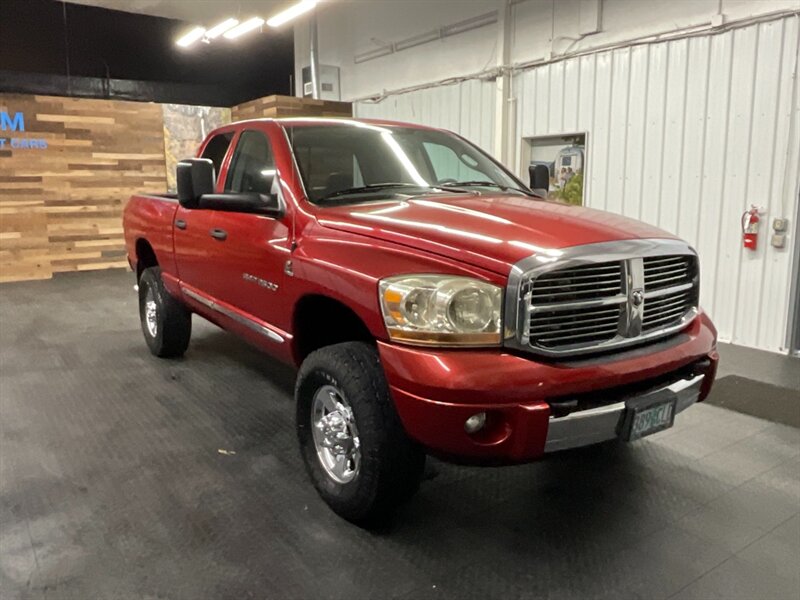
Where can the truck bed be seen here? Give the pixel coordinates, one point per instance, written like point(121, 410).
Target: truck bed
point(151, 217)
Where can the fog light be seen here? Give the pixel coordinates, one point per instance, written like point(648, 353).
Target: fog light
point(475, 423)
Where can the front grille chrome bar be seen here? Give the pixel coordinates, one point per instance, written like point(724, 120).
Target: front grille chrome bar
point(645, 289)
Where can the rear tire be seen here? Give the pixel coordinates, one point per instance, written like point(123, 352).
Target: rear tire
point(166, 322)
point(341, 390)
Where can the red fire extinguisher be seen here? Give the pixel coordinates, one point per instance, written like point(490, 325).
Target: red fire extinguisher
point(750, 221)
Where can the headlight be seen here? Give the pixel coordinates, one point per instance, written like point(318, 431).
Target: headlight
point(441, 310)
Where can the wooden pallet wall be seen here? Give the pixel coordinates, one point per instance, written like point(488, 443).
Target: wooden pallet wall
point(289, 106)
point(61, 206)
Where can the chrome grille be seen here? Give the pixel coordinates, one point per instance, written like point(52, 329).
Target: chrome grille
point(664, 310)
point(670, 284)
point(579, 304)
point(666, 271)
point(554, 328)
point(578, 283)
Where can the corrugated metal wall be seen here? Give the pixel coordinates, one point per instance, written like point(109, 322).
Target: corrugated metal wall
point(466, 107)
point(683, 134)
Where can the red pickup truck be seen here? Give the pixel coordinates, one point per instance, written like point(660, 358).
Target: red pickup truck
point(432, 302)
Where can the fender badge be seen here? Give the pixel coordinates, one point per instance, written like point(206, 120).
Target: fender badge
point(261, 282)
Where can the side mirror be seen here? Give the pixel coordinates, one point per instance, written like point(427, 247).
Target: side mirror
point(540, 179)
point(243, 202)
point(195, 178)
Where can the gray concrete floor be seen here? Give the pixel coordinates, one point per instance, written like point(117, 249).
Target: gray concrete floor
point(112, 485)
point(766, 367)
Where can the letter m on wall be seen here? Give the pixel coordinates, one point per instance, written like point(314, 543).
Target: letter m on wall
point(14, 123)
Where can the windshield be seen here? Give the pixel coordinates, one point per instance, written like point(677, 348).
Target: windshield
point(350, 161)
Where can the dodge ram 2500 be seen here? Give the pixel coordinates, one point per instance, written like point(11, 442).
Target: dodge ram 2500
point(432, 302)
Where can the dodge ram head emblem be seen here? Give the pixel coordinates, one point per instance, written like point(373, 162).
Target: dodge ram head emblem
point(637, 297)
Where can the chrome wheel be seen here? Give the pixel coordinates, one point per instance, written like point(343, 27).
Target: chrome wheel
point(335, 434)
point(151, 313)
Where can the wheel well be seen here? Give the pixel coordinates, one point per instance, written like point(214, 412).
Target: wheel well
point(145, 257)
point(322, 321)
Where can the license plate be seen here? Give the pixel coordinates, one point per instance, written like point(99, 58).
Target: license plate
point(648, 414)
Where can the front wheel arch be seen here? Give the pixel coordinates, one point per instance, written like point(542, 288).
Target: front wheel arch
point(319, 321)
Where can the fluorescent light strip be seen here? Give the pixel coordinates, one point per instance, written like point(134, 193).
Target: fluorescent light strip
point(191, 37)
point(218, 30)
point(291, 13)
point(243, 28)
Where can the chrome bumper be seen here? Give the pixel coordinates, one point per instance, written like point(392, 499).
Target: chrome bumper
point(595, 425)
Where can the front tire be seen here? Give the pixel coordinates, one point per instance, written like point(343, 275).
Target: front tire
point(166, 322)
point(353, 444)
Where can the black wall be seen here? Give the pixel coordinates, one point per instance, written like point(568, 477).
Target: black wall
point(47, 46)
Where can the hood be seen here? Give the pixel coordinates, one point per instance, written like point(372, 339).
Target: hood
point(492, 232)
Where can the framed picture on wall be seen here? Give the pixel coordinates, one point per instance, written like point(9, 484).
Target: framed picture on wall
point(564, 158)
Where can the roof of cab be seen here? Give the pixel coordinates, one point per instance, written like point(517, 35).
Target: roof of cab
point(323, 121)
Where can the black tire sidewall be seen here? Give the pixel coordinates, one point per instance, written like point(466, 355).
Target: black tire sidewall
point(362, 489)
point(151, 280)
point(173, 318)
point(391, 463)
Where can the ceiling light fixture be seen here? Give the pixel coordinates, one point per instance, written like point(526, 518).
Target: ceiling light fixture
point(291, 13)
point(191, 37)
point(243, 28)
point(218, 30)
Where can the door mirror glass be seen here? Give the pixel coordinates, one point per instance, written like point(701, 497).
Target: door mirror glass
point(195, 178)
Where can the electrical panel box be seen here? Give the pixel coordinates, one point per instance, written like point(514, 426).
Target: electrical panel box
point(328, 83)
point(779, 226)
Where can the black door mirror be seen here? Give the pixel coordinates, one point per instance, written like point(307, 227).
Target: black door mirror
point(540, 179)
point(243, 202)
point(195, 178)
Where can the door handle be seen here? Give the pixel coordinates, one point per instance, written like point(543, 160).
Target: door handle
point(219, 234)
point(180, 223)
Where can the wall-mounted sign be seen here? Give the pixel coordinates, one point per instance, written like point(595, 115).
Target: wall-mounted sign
point(15, 123)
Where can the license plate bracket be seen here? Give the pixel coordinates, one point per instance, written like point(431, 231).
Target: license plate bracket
point(648, 414)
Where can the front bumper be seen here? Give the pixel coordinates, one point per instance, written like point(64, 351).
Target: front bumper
point(436, 391)
point(601, 424)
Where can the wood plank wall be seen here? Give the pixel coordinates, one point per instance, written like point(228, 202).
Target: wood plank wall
point(61, 206)
point(289, 106)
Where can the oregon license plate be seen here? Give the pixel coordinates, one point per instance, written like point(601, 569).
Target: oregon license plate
point(648, 414)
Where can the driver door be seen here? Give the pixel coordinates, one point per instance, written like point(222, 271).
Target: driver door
point(247, 271)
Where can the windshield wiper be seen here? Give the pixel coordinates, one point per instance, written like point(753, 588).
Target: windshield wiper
point(372, 187)
point(499, 186)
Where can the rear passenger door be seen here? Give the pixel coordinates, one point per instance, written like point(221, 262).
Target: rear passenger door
point(251, 250)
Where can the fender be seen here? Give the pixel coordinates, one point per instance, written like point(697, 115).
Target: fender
point(347, 267)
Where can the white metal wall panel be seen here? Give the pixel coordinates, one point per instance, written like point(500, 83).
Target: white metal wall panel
point(685, 134)
point(466, 108)
point(777, 101)
point(637, 140)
